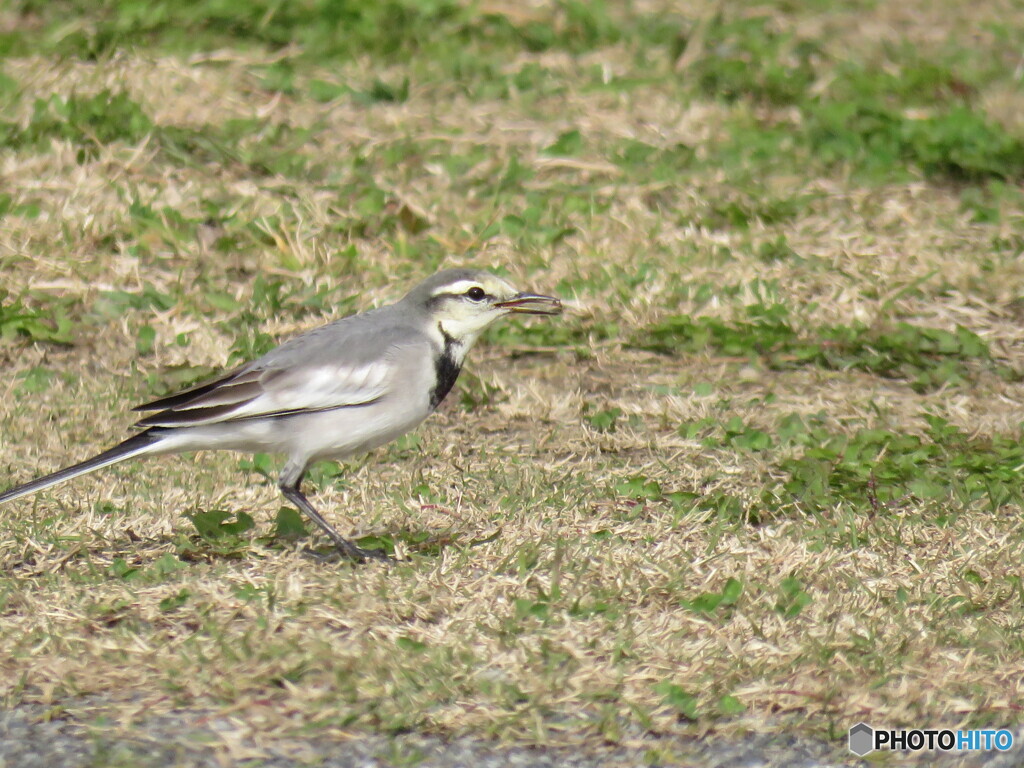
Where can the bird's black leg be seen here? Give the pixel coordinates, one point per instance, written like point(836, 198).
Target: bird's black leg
point(289, 483)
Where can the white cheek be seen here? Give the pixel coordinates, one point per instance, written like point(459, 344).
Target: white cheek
point(468, 323)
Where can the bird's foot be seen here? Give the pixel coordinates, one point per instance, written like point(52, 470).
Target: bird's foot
point(360, 555)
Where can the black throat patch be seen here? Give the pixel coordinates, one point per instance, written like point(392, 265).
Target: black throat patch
point(446, 370)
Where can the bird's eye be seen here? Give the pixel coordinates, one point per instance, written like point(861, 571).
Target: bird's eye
point(476, 293)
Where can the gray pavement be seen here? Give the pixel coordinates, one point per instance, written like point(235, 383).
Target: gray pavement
point(30, 738)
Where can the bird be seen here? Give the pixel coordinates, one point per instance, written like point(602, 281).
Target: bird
point(331, 392)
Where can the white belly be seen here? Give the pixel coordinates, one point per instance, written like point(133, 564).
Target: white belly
point(328, 434)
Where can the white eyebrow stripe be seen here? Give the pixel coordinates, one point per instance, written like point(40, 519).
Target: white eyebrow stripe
point(458, 287)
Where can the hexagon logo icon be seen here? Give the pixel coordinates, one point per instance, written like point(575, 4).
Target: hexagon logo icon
point(862, 739)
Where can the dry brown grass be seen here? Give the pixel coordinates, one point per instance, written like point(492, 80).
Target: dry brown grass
point(283, 643)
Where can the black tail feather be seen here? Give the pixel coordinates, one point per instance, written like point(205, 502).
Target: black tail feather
point(133, 446)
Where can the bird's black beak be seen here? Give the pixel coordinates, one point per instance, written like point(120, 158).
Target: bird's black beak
point(532, 304)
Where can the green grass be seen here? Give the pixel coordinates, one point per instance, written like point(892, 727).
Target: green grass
point(49, 323)
point(944, 471)
point(327, 29)
point(928, 358)
point(764, 474)
point(90, 122)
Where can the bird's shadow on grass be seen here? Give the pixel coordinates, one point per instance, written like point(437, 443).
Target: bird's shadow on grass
point(218, 537)
point(225, 534)
point(407, 542)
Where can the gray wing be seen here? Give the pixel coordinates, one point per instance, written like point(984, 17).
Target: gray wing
point(345, 364)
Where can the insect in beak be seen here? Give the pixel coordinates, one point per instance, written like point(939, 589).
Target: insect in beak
point(532, 304)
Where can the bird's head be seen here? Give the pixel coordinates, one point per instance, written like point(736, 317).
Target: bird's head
point(463, 302)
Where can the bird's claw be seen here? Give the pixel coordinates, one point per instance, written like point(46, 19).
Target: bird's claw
point(360, 555)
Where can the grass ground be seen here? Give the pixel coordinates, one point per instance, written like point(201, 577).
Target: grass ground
point(764, 477)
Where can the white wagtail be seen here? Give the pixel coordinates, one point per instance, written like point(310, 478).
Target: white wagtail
point(332, 392)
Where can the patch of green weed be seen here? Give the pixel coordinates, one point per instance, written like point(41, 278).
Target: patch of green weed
point(35, 380)
point(50, 324)
point(926, 357)
point(113, 304)
point(905, 115)
point(604, 419)
point(393, 30)
point(678, 699)
point(959, 144)
point(716, 603)
point(87, 121)
point(879, 469)
point(257, 146)
point(751, 205)
point(653, 163)
point(792, 597)
point(905, 75)
point(749, 58)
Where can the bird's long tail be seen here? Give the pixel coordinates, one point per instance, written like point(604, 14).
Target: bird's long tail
point(139, 444)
